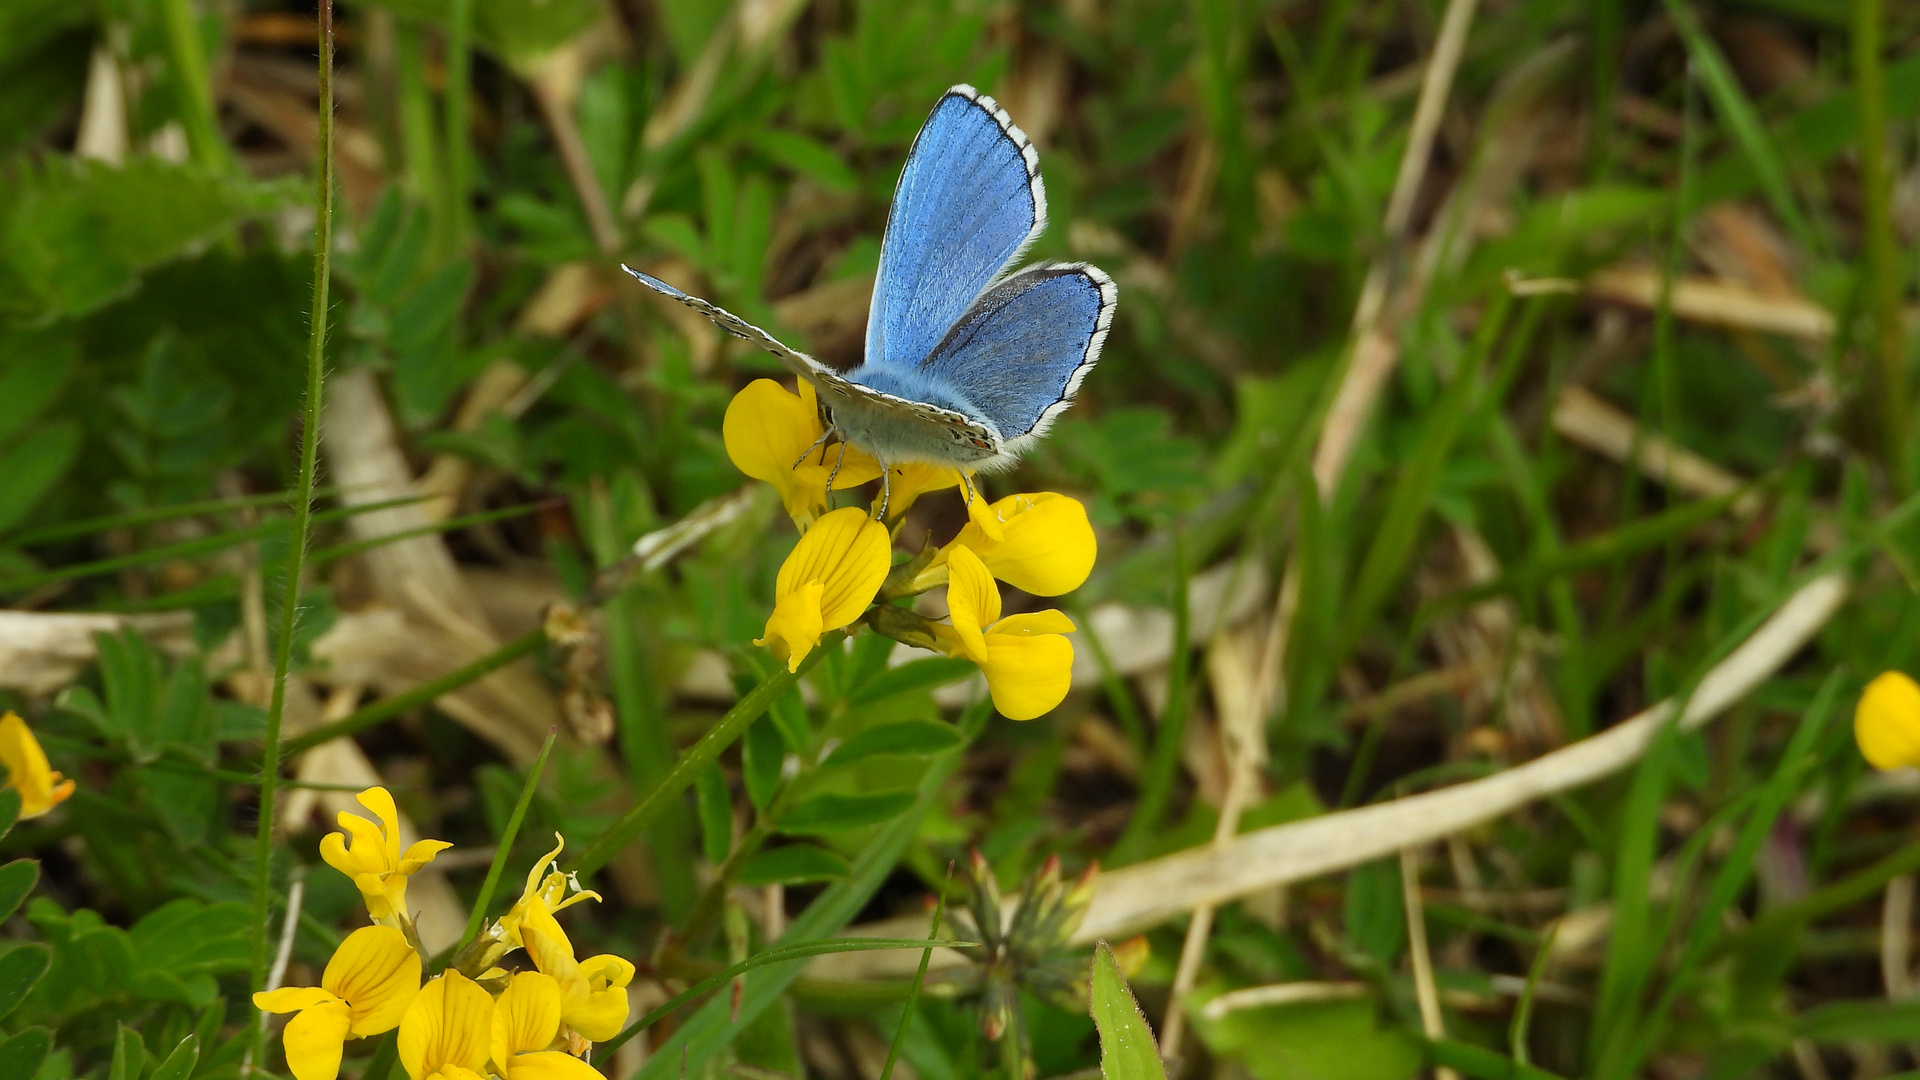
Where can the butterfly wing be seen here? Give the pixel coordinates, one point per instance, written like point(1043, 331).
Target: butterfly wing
point(935, 424)
point(968, 202)
point(1020, 351)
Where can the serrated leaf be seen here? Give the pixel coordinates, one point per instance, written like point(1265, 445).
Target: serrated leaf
point(17, 879)
point(909, 677)
point(1127, 1049)
point(20, 970)
point(829, 813)
point(22, 1055)
point(913, 738)
point(791, 865)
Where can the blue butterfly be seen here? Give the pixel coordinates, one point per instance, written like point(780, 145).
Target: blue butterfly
point(967, 363)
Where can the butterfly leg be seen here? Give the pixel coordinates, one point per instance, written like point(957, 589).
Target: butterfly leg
point(834, 473)
point(817, 444)
point(886, 492)
point(966, 485)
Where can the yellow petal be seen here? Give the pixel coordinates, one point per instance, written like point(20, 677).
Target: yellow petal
point(1046, 545)
point(908, 482)
point(384, 894)
point(601, 1016)
point(551, 952)
point(1028, 676)
point(973, 601)
point(313, 1040)
point(795, 626)
point(551, 1065)
point(767, 430)
point(28, 771)
point(526, 1017)
point(982, 519)
point(849, 554)
point(366, 846)
point(380, 801)
point(1034, 622)
point(1887, 721)
point(377, 973)
point(420, 854)
point(449, 1023)
point(333, 851)
point(291, 999)
point(606, 970)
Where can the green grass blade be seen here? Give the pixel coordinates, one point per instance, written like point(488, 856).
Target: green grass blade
point(504, 848)
point(919, 977)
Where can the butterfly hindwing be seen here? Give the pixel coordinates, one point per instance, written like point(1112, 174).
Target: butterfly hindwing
point(968, 202)
point(1020, 351)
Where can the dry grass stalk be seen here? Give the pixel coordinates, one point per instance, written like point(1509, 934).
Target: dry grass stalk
point(40, 652)
point(1716, 303)
point(1425, 992)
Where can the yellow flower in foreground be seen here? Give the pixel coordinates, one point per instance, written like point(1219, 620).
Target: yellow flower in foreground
point(768, 430)
point(1040, 543)
point(549, 894)
point(593, 992)
point(831, 577)
point(366, 989)
point(906, 483)
point(28, 771)
point(1028, 664)
point(1886, 723)
point(526, 1024)
point(448, 1030)
point(372, 858)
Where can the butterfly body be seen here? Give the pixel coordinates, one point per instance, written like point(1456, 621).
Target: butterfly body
point(967, 364)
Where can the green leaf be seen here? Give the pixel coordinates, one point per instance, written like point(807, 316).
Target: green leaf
point(1376, 914)
point(1874, 1021)
point(807, 157)
point(914, 738)
point(827, 813)
point(1481, 1063)
point(716, 813)
point(791, 865)
point(129, 1055)
point(17, 879)
point(20, 969)
point(762, 753)
point(9, 810)
point(34, 464)
point(179, 1064)
point(909, 677)
point(1127, 1049)
point(22, 1055)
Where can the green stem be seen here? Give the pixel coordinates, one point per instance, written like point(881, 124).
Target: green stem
point(919, 976)
point(302, 508)
point(1828, 899)
point(196, 91)
point(1883, 283)
point(387, 708)
point(698, 756)
point(421, 175)
point(505, 847)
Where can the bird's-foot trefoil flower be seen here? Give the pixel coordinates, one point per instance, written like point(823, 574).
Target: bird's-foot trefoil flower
point(526, 1028)
point(906, 483)
point(1027, 659)
point(1886, 723)
point(365, 990)
point(370, 855)
point(775, 435)
point(1040, 543)
point(825, 584)
point(448, 1030)
point(593, 992)
point(29, 773)
point(547, 889)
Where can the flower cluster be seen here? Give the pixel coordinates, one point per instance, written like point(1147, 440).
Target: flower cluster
point(842, 571)
point(473, 1020)
point(29, 773)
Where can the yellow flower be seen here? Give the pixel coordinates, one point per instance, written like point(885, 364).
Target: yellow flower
point(906, 483)
point(1886, 723)
point(1040, 543)
point(28, 772)
point(1028, 664)
point(373, 858)
point(526, 1024)
point(593, 992)
point(366, 989)
point(548, 894)
point(831, 577)
point(768, 431)
point(448, 1030)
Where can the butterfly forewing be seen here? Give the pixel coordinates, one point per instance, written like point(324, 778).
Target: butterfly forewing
point(968, 202)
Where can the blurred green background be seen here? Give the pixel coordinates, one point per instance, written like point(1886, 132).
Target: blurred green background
point(1484, 373)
